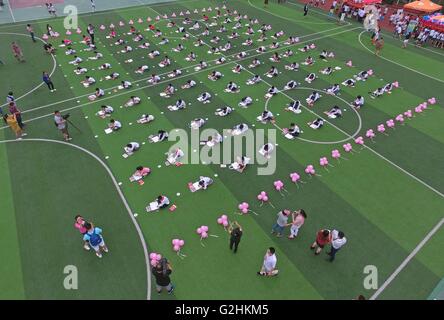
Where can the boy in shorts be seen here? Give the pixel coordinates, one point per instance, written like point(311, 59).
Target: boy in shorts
point(94, 236)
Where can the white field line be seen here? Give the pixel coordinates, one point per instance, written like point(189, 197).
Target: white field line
point(10, 11)
point(292, 20)
point(183, 69)
point(124, 8)
point(39, 85)
point(407, 260)
point(397, 63)
point(119, 191)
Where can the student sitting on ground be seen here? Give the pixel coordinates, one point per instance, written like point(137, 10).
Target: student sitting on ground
point(173, 158)
point(334, 112)
point(292, 132)
point(215, 75)
point(255, 63)
point(105, 111)
point(294, 106)
point(153, 54)
point(239, 129)
point(77, 60)
point(271, 92)
point(164, 41)
point(317, 124)
point(140, 173)
point(361, 76)
point(261, 49)
point(88, 81)
point(237, 69)
point(334, 89)
point(197, 123)
point(312, 98)
point(191, 57)
point(255, 79)
point(212, 140)
point(119, 42)
point(144, 45)
point(291, 85)
point(174, 73)
point(224, 111)
point(161, 135)
point(97, 94)
point(274, 45)
point(232, 87)
point(240, 164)
point(359, 102)
point(245, 102)
point(247, 42)
point(105, 66)
point(145, 118)
point(165, 62)
point(327, 71)
point(349, 83)
point(388, 88)
point(154, 79)
point(97, 56)
point(126, 49)
point(221, 60)
point(377, 93)
point(132, 101)
point(265, 117)
point(266, 150)
point(79, 71)
point(202, 65)
point(68, 52)
point(310, 78)
point(273, 72)
point(205, 182)
point(131, 147)
point(112, 76)
point(114, 125)
point(124, 85)
point(275, 57)
point(204, 98)
point(292, 67)
point(142, 69)
point(168, 91)
point(160, 203)
point(179, 105)
point(189, 84)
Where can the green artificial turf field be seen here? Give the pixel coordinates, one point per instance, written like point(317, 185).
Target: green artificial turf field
point(387, 196)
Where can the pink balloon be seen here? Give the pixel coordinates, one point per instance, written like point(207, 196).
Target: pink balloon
point(263, 193)
point(335, 154)
point(153, 263)
point(240, 206)
point(224, 217)
point(181, 243)
point(381, 128)
point(244, 210)
point(432, 100)
point(220, 220)
point(259, 197)
point(204, 235)
point(225, 223)
point(158, 257)
point(176, 248)
point(395, 84)
point(312, 171)
point(205, 228)
point(153, 255)
point(199, 230)
point(265, 198)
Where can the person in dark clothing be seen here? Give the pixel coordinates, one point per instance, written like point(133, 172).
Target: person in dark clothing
point(47, 79)
point(90, 30)
point(235, 231)
point(305, 9)
point(18, 115)
point(162, 272)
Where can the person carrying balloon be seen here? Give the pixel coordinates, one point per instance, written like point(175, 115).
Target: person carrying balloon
point(298, 218)
point(162, 271)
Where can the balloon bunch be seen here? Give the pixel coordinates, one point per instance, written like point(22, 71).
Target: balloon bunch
point(177, 246)
point(348, 147)
point(223, 220)
point(395, 84)
point(370, 134)
point(432, 100)
point(324, 163)
point(381, 129)
point(359, 140)
point(295, 178)
point(155, 258)
point(244, 208)
point(202, 231)
point(390, 123)
point(400, 118)
point(311, 171)
point(263, 197)
point(408, 114)
point(279, 185)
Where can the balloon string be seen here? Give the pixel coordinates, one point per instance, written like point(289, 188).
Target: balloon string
point(271, 205)
point(213, 235)
point(262, 203)
point(326, 169)
point(253, 212)
point(201, 242)
point(330, 165)
point(286, 190)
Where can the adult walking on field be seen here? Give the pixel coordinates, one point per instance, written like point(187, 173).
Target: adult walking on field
point(298, 218)
point(31, 32)
point(337, 242)
point(62, 125)
point(17, 52)
point(90, 30)
point(281, 222)
point(323, 237)
point(11, 121)
point(235, 231)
